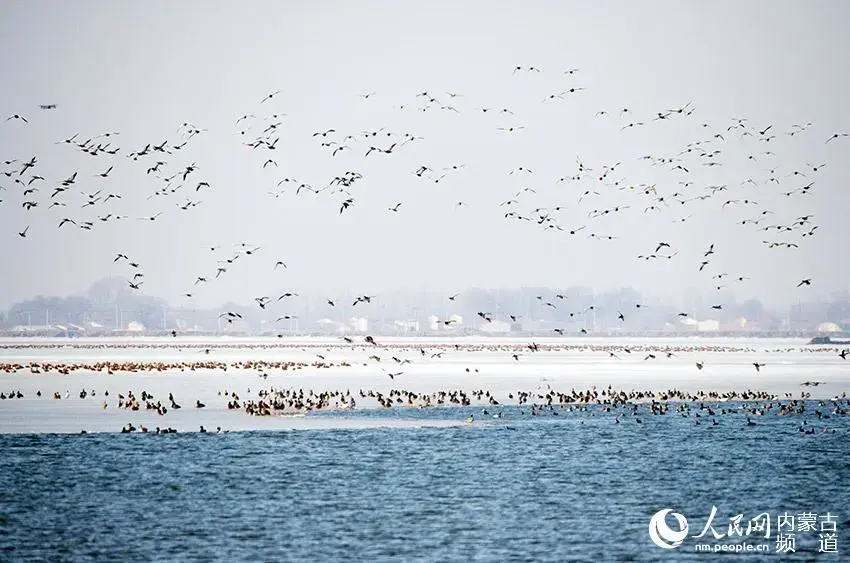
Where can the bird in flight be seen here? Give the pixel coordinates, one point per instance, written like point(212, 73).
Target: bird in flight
point(393, 375)
point(385, 151)
point(270, 96)
point(807, 281)
point(229, 316)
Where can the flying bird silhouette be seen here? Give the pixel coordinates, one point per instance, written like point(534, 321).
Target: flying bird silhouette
point(270, 96)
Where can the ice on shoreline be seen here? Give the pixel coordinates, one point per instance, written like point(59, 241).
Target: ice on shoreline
point(787, 366)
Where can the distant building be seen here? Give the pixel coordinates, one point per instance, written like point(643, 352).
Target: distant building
point(410, 325)
point(33, 328)
point(828, 327)
point(496, 327)
point(360, 324)
point(235, 327)
point(683, 324)
point(708, 325)
point(329, 326)
point(740, 323)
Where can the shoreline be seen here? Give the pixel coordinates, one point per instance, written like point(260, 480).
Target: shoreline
point(448, 339)
point(68, 387)
point(735, 411)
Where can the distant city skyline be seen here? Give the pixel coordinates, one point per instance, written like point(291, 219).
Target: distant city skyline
point(110, 305)
point(684, 298)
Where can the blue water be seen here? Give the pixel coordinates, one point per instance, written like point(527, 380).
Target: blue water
point(522, 488)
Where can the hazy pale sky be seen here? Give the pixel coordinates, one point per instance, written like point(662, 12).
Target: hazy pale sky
point(145, 68)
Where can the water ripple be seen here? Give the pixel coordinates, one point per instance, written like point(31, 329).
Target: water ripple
point(551, 489)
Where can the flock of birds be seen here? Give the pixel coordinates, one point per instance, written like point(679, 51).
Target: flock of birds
point(583, 190)
point(33, 188)
point(288, 400)
point(702, 407)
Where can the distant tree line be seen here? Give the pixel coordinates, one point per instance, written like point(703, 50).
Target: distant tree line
point(107, 302)
point(111, 303)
